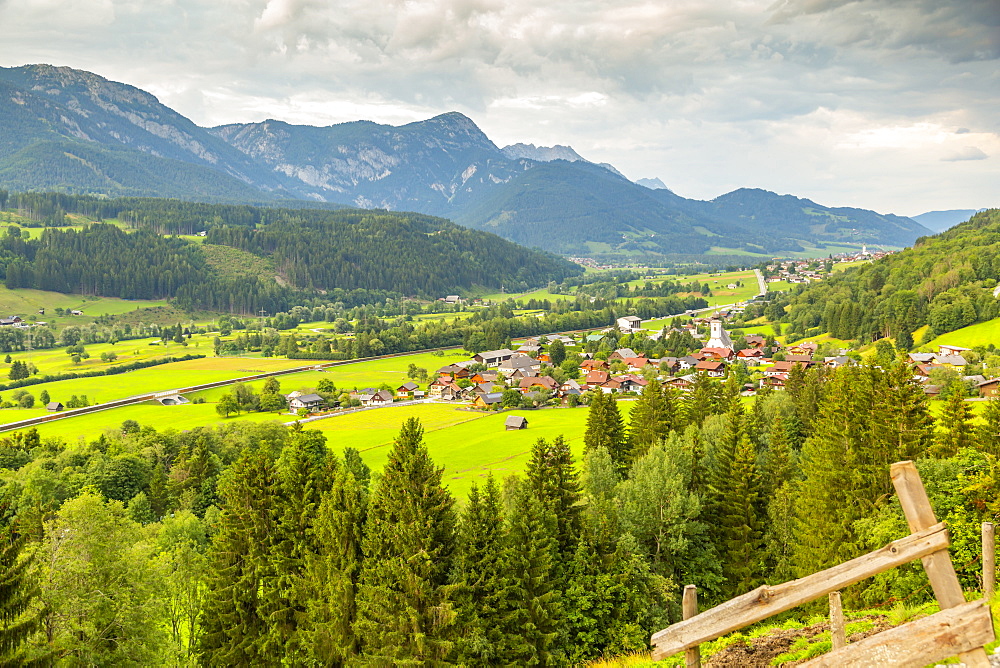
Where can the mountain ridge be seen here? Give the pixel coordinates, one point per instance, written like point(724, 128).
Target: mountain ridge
point(75, 131)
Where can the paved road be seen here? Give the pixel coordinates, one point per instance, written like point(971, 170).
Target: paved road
point(761, 282)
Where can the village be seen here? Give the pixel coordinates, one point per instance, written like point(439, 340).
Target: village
point(556, 369)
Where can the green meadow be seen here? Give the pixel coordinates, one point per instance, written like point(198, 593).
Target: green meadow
point(56, 360)
point(25, 302)
point(980, 334)
point(160, 378)
point(468, 444)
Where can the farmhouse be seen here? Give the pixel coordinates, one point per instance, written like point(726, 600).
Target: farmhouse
point(538, 383)
point(54, 406)
point(629, 323)
point(990, 388)
point(488, 400)
point(407, 390)
point(379, 398)
point(10, 320)
point(493, 357)
point(521, 363)
point(713, 369)
point(307, 401)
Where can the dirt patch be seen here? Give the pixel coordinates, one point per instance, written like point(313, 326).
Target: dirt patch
point(759, 652)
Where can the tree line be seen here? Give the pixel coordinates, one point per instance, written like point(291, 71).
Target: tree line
point(945, 281)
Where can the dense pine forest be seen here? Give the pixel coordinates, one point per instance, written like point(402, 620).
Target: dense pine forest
point(256, 544)
point(945, 281)
point(350, 255)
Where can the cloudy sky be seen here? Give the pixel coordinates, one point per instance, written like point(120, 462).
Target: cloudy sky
point(892, 105)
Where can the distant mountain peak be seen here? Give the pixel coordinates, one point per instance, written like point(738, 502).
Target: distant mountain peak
point(653, 184)
point(541, 153)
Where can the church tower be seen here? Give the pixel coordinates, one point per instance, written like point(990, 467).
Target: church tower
point(718, 337)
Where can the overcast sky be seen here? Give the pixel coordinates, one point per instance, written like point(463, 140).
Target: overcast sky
point(892, 105)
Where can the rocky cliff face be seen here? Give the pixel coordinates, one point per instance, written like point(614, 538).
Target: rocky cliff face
point(82, 105)
point(431, 166)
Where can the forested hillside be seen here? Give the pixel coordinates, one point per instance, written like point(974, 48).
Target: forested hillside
point(348, 255)
point(945, 281)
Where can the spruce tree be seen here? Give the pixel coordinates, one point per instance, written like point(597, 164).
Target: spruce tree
point(704, 399)
point(334, 568)
point(302, 479)
point(405, 608)
point(533, 548)
point(651, 419)
point(234, 627)
point(18, 591)
point(487, 597)
point(735, 507)
point(554, 480)
point(605, 428)
point(956, 430)
point(988, 435)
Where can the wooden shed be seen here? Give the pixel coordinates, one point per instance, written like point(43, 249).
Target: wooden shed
point(515, 422)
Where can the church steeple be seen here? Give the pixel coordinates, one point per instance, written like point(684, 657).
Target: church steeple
point(718, 337)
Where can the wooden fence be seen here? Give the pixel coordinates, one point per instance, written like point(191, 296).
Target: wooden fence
point(960, 628)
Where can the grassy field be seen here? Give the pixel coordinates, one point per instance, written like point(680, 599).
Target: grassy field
point(391, 371)
point(980, 334)
point(158, 378)
point(25, 302)
point(468, 444)
point(55, 360)
point(90, 426)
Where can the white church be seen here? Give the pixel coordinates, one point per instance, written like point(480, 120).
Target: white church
point(718, 337)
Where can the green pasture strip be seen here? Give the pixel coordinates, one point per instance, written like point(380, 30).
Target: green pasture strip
point(186, 416)
point(171, 376)
point(372, 373)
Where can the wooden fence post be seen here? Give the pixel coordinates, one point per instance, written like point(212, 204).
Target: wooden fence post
point(989, 560)
point(838, 632)
point(689, 608)
point(940, 571)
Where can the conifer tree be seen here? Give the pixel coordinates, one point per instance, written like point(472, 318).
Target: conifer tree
point(554, 480)
point(872, 416)
point(605, 428)
point(988, 435)
point(704, 399)
point(334, 568)
point(234, 627)
point(735, 507)
point(533, 549)
point(301, 478)
point(956, 430)
point(405, 607)
point(18, 590)
point(487, 616)
point(651, 418)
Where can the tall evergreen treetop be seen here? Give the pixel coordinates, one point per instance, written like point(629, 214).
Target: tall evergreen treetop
point(405, 602)
point(555, 481)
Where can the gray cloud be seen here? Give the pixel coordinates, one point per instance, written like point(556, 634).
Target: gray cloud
point(854, 102)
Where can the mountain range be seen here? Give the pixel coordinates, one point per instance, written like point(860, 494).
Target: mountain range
point(69, 130)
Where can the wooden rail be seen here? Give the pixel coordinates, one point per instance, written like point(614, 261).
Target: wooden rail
point(929, 642)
